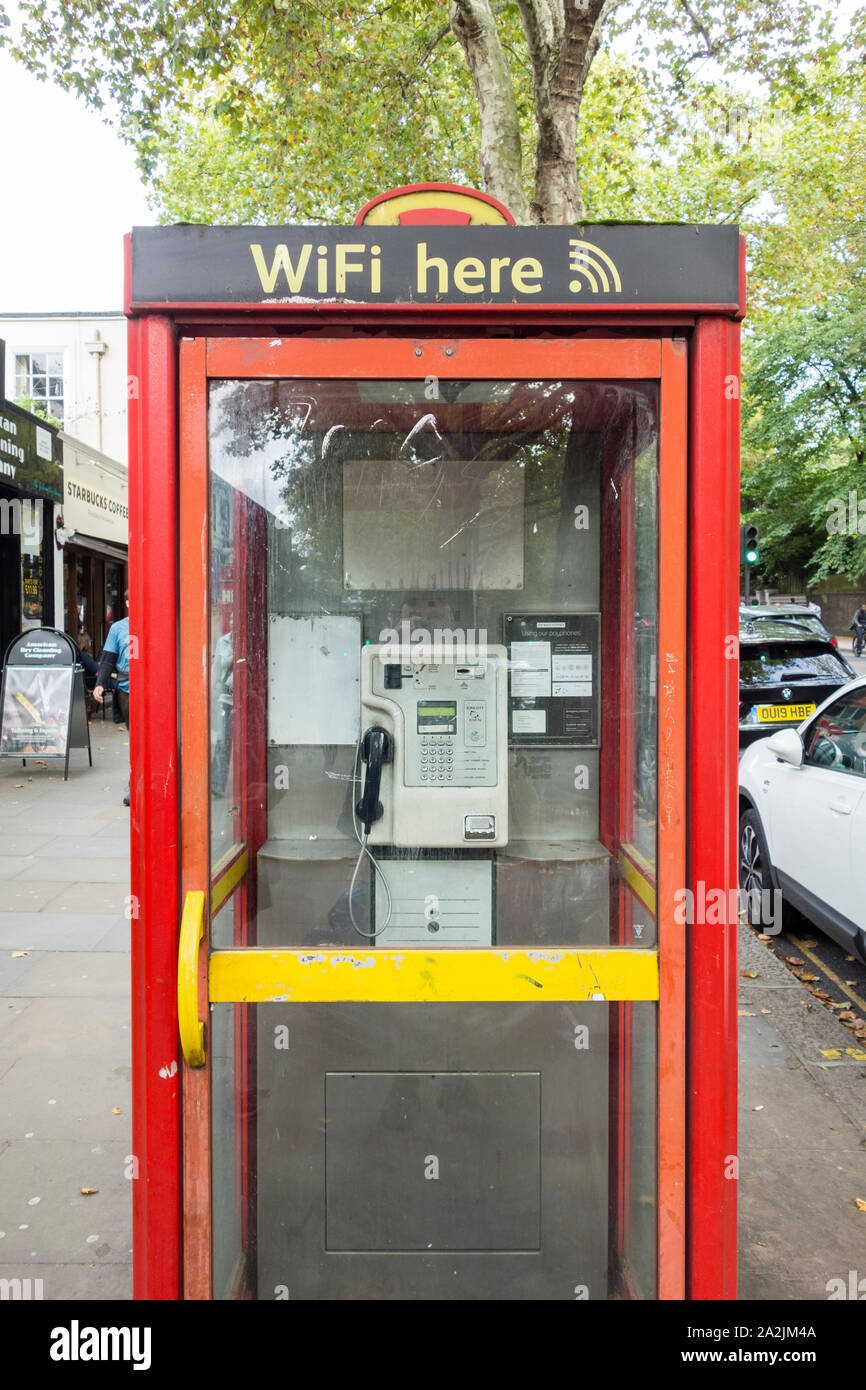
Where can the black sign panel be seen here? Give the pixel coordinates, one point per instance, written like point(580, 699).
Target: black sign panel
point(29, 453)
point(584, 267)
point(42, 703)
point(553, 678)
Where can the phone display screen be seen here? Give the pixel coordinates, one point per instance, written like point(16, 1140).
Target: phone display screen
point(438, 718)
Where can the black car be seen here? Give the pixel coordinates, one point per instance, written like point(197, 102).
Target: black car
point(786, 669)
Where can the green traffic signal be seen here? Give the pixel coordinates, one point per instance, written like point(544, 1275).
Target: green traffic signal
point(751, 556)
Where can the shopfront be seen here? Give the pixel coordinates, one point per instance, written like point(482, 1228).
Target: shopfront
point(30, 486)
point(427, 745)
point(95, 553)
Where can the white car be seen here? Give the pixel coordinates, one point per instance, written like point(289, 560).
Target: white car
point(802, 822)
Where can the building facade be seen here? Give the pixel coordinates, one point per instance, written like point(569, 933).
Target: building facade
point(71, 367)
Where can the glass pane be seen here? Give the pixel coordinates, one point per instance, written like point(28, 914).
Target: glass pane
point(433, 715)
point(434, 569)
point(416, 1180)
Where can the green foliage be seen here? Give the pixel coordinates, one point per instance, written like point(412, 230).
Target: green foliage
point(38, 409)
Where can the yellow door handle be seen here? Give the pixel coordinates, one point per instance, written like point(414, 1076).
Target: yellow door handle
point(189, 1024)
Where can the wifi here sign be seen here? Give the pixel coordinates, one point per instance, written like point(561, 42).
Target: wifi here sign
point(624, 264)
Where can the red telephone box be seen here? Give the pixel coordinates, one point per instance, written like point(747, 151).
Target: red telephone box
point(433, 755)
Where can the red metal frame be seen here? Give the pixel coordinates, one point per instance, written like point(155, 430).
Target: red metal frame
point(714, 520)
point(156, 1191)
point(710, 1235)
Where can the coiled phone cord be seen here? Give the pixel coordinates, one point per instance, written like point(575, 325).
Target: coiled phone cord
point(362, 841)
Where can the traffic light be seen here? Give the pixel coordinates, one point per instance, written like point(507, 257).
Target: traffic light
point(749, 538)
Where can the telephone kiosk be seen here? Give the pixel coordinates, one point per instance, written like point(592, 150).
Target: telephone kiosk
point(443, 1034)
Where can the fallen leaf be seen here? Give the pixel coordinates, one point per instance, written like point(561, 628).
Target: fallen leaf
point(762, 936)
point(88, 1191)
point(809, 978)
point(809, 944)
point(861, 1205)
point(745, 1013)
point(757, 1107)
point(795, 960)
point(849, 957)
point(766, 1011)
point(750, 974)
point(106, 789)
point(16, 954)
point(116, 1110)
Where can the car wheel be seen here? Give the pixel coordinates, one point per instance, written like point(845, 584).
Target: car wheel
point(755, 871)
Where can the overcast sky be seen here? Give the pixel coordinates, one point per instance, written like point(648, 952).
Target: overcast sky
point(70, 191)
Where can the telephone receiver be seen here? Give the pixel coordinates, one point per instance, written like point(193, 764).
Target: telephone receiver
point(376, 748)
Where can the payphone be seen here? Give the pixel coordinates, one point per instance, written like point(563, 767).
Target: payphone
point(436, 778)
point(445, 784)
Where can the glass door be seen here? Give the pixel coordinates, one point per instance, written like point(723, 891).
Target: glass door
point(433, 712)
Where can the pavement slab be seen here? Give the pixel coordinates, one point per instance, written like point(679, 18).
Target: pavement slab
point(802, 1126)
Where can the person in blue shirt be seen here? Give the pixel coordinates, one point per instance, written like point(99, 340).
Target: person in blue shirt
point(115, 658)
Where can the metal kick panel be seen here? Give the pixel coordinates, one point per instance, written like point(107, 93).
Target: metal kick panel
point(516, 1093)
point(435, 902)
point(452, 1161)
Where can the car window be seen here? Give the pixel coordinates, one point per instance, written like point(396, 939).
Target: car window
point(837, 738)
point(767, 625)
point(789, 661)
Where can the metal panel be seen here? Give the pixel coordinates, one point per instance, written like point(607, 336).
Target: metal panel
point(452, 1161)
point(314, 677)
point(435, 902)
point(299, 1157)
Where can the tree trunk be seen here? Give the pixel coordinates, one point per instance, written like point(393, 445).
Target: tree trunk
point(562, 38)
point(473, 24)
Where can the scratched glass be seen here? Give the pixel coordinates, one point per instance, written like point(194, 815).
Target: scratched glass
point(516, 516)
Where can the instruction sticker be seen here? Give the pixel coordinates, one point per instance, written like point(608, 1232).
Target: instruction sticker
point(553, 677)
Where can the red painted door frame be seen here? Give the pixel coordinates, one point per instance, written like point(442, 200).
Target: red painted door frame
point(713, 501)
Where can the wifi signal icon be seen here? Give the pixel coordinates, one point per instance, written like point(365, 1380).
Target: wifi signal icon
point(592, 264)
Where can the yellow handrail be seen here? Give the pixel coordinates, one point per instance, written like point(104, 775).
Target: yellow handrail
point(190, 1026)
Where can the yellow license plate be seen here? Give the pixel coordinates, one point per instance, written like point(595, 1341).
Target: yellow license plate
point(789, 714)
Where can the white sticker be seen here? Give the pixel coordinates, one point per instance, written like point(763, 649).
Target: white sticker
point(530, 669)
point(529, 721)
point(43, 443)
point(572, 667)
point(573, 688)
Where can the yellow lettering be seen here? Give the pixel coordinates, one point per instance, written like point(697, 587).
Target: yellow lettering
point(496, 264)
point(281, 262)
point(519, 274)
point(469, 268)
point(375, 271)
point(343, 265)
point(425, 263)
point(322, 280)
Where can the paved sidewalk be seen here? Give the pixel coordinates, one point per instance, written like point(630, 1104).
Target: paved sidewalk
point(65, 1087)
point(64, 1022)
point(802, 1161)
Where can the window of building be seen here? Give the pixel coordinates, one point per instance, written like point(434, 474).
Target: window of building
point(39, 381)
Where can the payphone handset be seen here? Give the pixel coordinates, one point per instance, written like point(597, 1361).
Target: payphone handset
point(434, 746)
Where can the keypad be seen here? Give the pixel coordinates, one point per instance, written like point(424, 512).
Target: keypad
point(437, 758)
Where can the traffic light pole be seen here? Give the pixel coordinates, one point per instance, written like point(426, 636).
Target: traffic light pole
point(746, 568)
